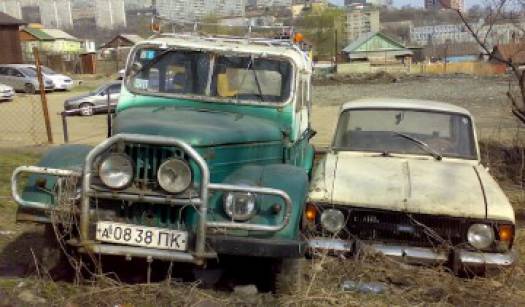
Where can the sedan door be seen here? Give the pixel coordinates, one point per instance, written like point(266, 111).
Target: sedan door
point(18, 79)
point(114, 93)
point(5, 78)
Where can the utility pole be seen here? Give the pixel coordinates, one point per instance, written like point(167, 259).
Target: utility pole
point(43, 97)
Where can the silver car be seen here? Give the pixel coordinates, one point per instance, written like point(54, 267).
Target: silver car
point(6, 92)
point(22, 78)
point(95, 101)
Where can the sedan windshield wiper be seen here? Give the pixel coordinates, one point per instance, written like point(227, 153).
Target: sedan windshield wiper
point(434, 153)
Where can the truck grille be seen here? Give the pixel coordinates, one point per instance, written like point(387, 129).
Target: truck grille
point(147, 160)
point(399, 227)
point(139, 214)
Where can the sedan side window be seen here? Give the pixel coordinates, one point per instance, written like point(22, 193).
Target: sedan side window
point(14, 73)
point(115, 89)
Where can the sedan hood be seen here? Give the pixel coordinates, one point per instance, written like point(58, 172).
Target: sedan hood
point(197, 127)
point(4, 87)
point(411, 185)
point(75, 98)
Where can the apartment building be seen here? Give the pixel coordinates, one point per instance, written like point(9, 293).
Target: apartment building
point(386, 3)
point(190, 10)
point(445, 4)
point(360, 20)
point(500, 33)
point(274, 3)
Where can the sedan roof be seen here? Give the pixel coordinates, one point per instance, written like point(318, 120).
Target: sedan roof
point(394, 103)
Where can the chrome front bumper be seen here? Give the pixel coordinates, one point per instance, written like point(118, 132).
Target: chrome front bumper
point(200, 252)
point(417, 255)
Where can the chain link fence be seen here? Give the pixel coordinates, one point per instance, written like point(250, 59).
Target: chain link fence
point(22, 121)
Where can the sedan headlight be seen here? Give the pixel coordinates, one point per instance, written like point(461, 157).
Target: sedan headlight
point(480, 236)
point(332, 220)
point(239, 206)
point(116, 171)
point(174, 176)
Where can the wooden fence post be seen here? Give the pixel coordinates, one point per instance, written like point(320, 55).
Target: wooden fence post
point(43, 97)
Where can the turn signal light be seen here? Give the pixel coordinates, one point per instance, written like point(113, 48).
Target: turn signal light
point(506, 233)
point(298, 38)
point(310, 213)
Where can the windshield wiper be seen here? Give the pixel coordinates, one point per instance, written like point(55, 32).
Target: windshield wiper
point(259, 89)
point(434, 153)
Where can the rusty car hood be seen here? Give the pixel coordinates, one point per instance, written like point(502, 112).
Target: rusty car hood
point(412, 185)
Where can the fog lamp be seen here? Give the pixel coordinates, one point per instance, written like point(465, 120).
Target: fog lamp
point(239, 206)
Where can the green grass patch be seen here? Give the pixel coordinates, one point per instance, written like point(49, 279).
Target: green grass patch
point(8, 162)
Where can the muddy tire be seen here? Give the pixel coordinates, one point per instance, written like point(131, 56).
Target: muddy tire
point(29, 89)
point(291, 276)
point(50, 259)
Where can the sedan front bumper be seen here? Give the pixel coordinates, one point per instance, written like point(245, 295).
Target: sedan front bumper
point(418, 255)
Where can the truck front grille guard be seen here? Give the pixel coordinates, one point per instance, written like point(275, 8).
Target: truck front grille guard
point(201, 202)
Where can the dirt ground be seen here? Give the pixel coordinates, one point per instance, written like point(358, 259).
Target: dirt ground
point(403, 285)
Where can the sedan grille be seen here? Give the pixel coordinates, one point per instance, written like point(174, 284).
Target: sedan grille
point(399, 227)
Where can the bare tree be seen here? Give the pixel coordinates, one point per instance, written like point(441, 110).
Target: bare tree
point(497, 11)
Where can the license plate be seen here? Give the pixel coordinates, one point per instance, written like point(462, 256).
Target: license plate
point(152, 237)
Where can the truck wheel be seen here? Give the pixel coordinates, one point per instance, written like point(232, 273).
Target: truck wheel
point(29, 89)
point(291, 276)
point(50, 257)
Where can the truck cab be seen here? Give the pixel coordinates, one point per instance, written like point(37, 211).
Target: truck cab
point(209, 156)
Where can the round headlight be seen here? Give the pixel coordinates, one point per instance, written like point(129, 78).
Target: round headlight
point(116, 171)
point(174, 176)
point(480, 236)
point(239, 206)
point(332, 220)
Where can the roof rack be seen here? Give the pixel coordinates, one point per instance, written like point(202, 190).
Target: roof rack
point(283, 38)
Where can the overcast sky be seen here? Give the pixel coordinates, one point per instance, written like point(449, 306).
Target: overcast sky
point(416, 3)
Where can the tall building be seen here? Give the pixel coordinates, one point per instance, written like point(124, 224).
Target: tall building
point(56, 14)
point(110, 14)
point(445, 4)
point(370, 2)
point(12, 8)
point(274, 3)
point(190, 10)
point(361, 20)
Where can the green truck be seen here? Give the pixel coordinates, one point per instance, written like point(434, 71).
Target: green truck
point(209, 156)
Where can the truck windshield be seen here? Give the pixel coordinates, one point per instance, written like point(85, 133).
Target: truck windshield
point(223, 77)
point(390, 131)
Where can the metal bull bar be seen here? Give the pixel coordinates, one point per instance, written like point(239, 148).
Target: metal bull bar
point(201, 203)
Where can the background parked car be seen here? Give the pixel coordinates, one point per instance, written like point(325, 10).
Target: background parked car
point(94, 102)
point(62, 82)
point(6, 92)
point(22, 78)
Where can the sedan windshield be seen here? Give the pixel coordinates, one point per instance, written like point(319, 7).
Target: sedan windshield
point(196, 73)
point(406, 132)
point(45, 70)
point(28, 72)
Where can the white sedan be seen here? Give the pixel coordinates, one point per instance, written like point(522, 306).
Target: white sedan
point(61, 82)
point(6, 92)
point(404, 178)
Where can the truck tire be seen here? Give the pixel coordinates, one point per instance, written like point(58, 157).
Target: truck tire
point(291, 276)
point(50, 257)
